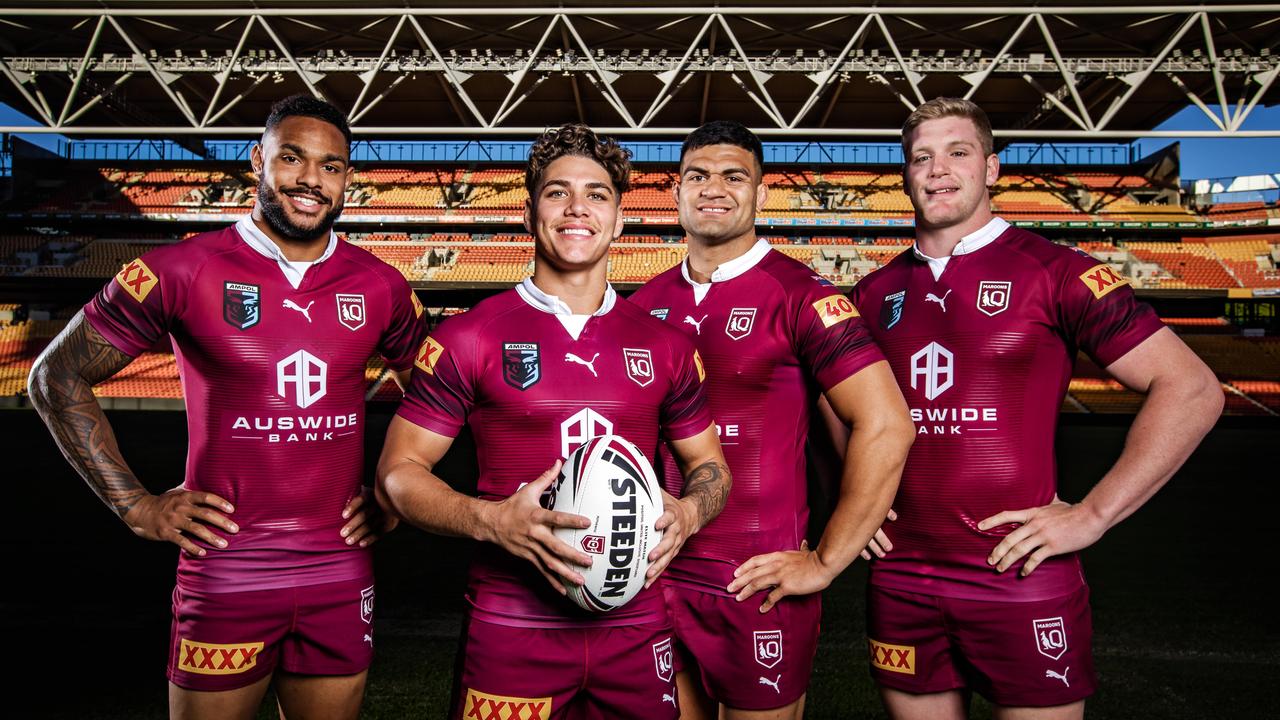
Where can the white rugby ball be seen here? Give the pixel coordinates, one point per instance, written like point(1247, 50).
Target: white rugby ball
point(609, 481)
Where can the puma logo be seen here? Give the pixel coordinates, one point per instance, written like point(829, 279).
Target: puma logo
point(368, 638)
point(668, 697)
point(772, 683)
point(1062, 677)
point(930, 297)
point(306, 311)
point(697, 324)
point(588, 364)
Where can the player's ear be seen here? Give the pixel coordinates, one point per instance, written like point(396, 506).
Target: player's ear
point(762, 194)
point(351, 175)
point(993, 169)
point(528, 218)
point(255, 158)
point(618, 224)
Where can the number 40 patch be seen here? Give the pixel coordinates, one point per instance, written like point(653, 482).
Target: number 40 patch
point(835, 308)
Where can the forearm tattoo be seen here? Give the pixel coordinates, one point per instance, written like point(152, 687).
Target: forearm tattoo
point(61, 386)
point(708, 487)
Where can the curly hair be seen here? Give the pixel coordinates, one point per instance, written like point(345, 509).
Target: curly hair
point(307, 106)
point(941, 107)
point(578, 139)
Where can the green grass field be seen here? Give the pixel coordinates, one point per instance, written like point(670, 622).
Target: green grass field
point(1183, 628)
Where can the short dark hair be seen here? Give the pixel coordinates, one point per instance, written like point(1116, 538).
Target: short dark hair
point(724, 132)
point(580, 140)
point(307, 106)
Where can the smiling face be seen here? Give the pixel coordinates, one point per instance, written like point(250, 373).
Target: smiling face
point(304, 169)
point(947, 176)
point(573, 215)
point(718, 194)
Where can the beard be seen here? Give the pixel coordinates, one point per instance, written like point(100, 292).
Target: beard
point(274, 214)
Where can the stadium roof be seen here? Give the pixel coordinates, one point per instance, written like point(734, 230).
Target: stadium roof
point(1079, 70)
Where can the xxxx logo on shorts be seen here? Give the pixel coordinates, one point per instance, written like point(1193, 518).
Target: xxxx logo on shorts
point(894, 658)
point(213, 659)
point(483, 706)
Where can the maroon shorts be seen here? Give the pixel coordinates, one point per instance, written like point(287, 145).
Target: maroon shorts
point(1016, 654)
point(224, 641)
point(745, 659)
point(519, 673)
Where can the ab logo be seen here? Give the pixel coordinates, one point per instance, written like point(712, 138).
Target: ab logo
point(935, 366)
point(305, 374)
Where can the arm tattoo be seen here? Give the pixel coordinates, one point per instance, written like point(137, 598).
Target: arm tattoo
point(61, 388)
point(708, 487)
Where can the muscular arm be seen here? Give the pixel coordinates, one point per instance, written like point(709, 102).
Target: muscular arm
point(706, 489)
point(1184, 400)
point(874, 455)
point(61, 388)
point(872, 405)
point(408, 488)
point(707, 479)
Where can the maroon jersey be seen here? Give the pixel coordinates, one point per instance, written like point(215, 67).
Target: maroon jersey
point(773, 334)
point(274, 383)
point(531, 392)
point(984, 355)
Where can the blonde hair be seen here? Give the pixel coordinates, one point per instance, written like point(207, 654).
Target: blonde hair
point(942, 107)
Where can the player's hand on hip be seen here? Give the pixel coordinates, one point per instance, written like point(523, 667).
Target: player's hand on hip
point(790, 572)
point(366, 522)
point(1054, 529)
point(879, 544)
point(525, 529)
point(179, 515)
point(678, 521)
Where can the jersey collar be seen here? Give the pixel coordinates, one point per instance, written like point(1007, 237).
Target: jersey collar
point(293, 271)
point(727, 270)
point(970, 243)
point(534, 295)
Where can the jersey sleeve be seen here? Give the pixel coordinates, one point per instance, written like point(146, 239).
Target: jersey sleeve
point(684, 411)
point(1098, 310)
point(132, 311)
point(442, 390)
point(831, 337)
point(406, 329)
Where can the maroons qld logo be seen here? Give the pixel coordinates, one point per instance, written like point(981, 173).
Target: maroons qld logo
point(351, 310)
point(521, 365)
point(241, 305)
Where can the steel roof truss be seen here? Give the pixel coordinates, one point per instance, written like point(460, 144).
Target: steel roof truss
point(823, 79)
point(308, 78)
point(162, 79)
point(669, 77)
point(1068, 77)
point(84, 65)
point(760, 77)
point(452, 75)
point(605, 77)
point(1135, 80)
point(209, 115)
point(975, 79)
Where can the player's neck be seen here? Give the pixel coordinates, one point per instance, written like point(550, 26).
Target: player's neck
point(940, 242)
point(705, 257)
point(583, 291)
point(293, 250)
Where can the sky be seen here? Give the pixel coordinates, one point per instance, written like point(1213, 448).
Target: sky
point(1201, 158)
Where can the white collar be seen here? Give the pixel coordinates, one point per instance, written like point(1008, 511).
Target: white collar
point(970, 243)
point(727, 270)
point(293, 271)
point(534, 295)
point(731, 269)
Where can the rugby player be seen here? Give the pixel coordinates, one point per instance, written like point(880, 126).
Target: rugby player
point(773, 335)
point(272, 320)
point(978, 585)
point(535, 372)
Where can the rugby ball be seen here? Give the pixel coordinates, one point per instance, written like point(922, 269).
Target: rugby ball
point(609, 481)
